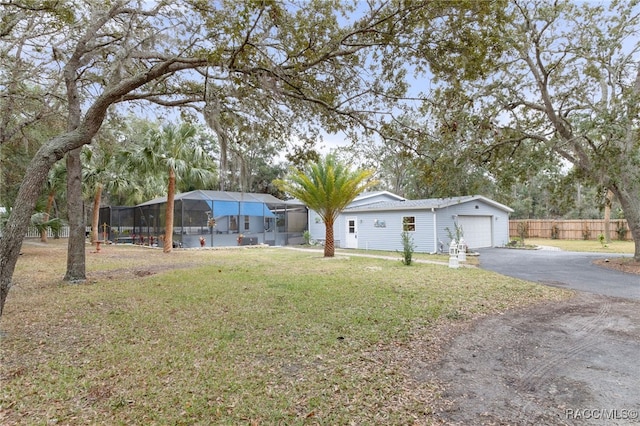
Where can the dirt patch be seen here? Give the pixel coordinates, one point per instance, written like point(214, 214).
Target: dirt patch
point(622, 264)
point(139, 272)
point(571, 362)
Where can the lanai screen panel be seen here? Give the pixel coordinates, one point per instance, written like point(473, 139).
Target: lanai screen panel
point(195, 215)
point(119, 220)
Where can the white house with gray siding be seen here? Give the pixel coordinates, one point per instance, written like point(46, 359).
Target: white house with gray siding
point(378, 225)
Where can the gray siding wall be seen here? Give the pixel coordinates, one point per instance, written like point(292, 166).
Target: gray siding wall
point(318, 232)
point(388, 237)
point(316, 226)
point(340, 231)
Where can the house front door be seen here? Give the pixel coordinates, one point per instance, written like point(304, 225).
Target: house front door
point(351, 239)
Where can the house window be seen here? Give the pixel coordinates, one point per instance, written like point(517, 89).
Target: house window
point(409, 223)
point(246, 223)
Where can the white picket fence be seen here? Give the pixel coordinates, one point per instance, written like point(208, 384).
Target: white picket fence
point(34, 233)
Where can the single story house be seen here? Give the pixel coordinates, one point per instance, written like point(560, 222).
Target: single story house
point(376, 221)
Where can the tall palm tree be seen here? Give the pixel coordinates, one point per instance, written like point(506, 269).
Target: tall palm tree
point(176, 152)
point(327, 187)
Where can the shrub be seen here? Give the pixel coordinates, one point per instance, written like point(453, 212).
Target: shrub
point(601, 238)
point(523, 231)
point(459, 232)
point(513, 243)
point(407, 248)
point(306, 237)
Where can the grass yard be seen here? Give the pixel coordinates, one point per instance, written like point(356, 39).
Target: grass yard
point(238, 336)
point(594, 246)
point(438, 257)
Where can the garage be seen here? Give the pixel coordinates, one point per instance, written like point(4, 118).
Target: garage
point(476, 230)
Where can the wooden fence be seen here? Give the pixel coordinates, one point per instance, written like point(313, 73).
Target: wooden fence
point(569, 229)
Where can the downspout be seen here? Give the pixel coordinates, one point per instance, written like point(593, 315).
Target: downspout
point(212, 218)
point(435, 231)
point(286, 226)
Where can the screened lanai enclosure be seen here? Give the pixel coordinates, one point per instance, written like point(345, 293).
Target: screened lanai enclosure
point(208, 219)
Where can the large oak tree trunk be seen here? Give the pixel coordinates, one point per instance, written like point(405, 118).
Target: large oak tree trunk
point(76, 254)
point(631, 206)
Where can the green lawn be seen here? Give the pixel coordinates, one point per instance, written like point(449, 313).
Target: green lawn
point(616, 246)
point(254, 336)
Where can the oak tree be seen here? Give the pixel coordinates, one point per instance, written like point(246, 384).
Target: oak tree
point(567, 85)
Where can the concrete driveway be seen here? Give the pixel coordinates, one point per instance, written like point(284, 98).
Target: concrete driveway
point(563, 269)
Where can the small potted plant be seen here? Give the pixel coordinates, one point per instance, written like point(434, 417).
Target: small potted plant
point(202, 241)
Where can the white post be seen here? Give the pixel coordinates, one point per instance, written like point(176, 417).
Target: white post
point(462, 251)
point(453, 255)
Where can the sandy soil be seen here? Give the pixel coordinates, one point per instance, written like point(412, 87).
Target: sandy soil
point(572, 362)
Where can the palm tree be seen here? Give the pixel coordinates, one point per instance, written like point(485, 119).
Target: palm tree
point(176, 152)
point(327, 187)
point(101, 171)
point(140, 188)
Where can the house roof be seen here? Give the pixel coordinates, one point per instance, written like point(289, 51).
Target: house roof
point(430, 203)
point(372, 194)
point(209, 195)
point(294, 202)
point(365, 198)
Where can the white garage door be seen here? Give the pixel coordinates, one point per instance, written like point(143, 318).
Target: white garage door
point(476, 230)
